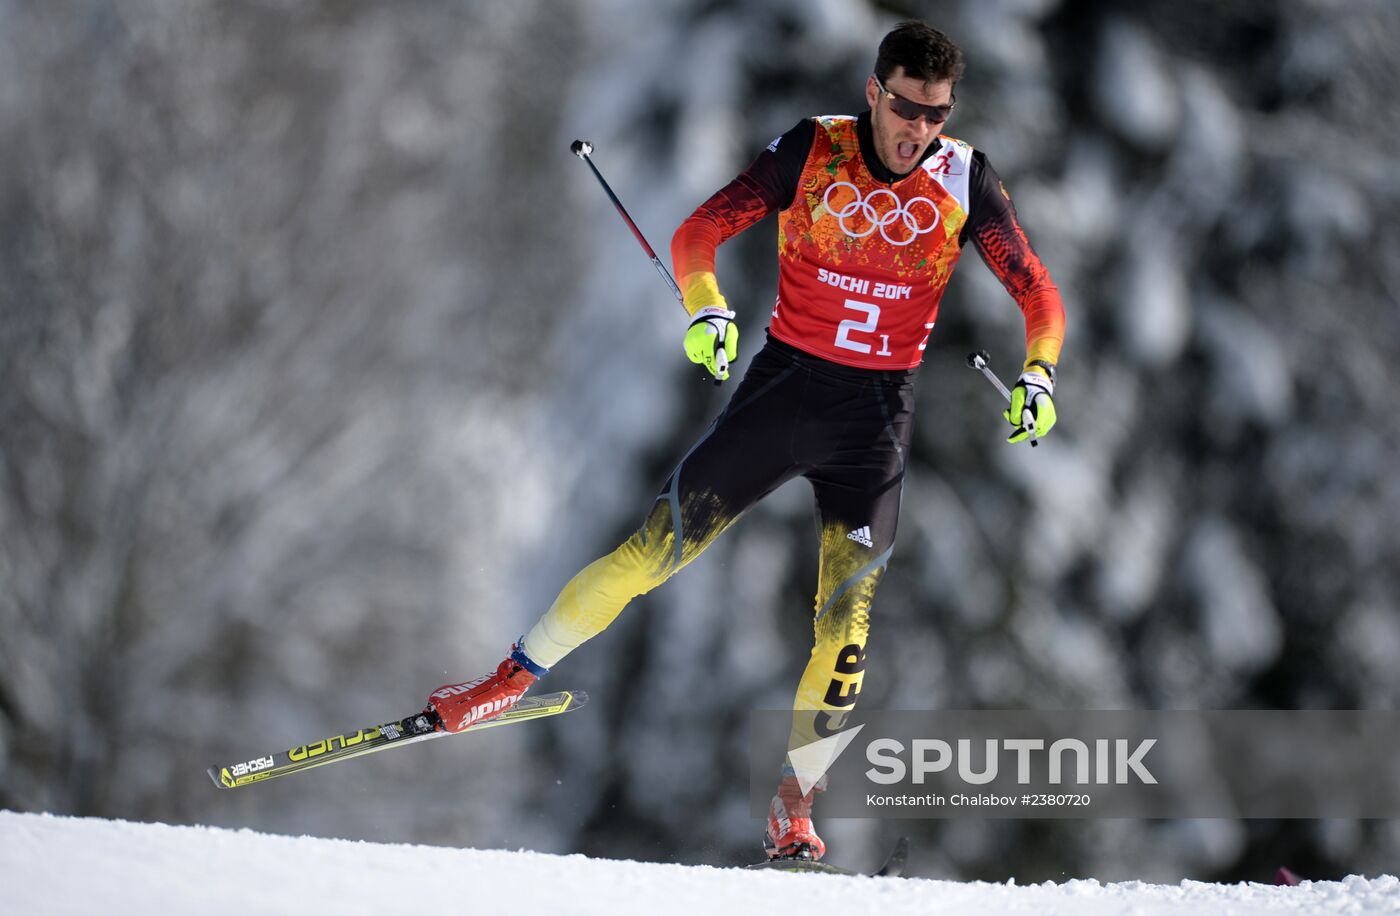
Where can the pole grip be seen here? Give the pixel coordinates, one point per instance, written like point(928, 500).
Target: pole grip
point(980, 361)
point(584, 150)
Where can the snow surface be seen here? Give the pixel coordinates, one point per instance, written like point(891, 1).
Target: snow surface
point(60, 865)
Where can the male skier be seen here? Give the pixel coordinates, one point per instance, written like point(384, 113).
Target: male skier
point(873, 214)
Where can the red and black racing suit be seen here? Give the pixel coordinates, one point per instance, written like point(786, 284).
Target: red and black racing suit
point(865, 256)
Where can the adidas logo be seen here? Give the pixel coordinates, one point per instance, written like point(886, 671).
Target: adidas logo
point(862, 536)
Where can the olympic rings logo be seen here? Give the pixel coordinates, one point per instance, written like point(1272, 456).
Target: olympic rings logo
point(865, 206)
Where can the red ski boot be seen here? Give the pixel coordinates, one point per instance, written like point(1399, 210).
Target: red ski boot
point(460, 706)
point(790, 832)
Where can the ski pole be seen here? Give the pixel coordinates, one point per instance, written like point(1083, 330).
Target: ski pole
point(981, 360)
point(584, 150)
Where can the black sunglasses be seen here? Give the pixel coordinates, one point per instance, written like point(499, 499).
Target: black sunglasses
point(912, 111)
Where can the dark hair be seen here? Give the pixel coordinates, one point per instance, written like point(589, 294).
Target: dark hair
point(925, 53)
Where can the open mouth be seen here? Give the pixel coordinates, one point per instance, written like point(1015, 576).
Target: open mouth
point(908, 150)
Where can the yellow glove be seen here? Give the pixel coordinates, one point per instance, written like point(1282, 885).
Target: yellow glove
point(1033, 394)
point(712, 340)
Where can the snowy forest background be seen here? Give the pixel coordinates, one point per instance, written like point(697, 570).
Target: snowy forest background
point(323, 365)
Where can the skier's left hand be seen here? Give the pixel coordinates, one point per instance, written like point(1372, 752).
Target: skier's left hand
point(1034, 391)
point(712, 332)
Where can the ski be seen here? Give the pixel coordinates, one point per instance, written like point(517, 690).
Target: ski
point(399, 733)
point(893, 867)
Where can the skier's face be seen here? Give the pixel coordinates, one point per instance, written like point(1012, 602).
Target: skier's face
point(899, 141)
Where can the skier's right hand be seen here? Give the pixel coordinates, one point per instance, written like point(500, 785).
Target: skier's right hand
point(712, 340)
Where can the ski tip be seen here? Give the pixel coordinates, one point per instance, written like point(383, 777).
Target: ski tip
point(899, 857)
point(214, 775)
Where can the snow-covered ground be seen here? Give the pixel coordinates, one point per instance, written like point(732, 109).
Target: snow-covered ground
point(61, 865)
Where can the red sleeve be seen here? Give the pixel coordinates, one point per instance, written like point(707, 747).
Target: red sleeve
point(993, 228)
point(768, 184)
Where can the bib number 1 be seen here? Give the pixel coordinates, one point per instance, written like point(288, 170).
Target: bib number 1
point(851, 326)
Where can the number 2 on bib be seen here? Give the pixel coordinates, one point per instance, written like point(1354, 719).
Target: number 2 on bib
point(851, 325)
